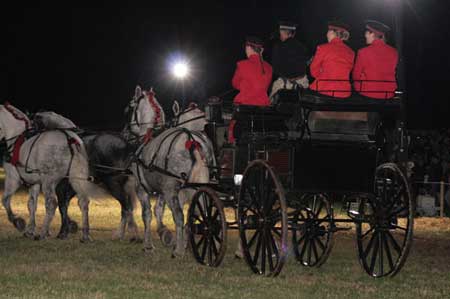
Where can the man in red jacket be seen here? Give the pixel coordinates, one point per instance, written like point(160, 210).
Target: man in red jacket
point(376, 62)
point(333, 62)
point(253, 76)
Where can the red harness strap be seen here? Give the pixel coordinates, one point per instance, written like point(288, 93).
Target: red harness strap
point(16, 150)
point(192, 144)
point(151, 100)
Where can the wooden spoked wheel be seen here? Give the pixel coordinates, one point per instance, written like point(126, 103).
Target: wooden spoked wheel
point(262, 218)
point(207, 227)
point(312, 236)
point(384, 232)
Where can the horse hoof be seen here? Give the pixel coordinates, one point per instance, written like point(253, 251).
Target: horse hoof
point(73, 227)
point(40, 237)
point(19, 224)
point(178, 254)
point(136, 240)
point(86, 240)
point(29, 235)
point(167, 238)
point(149, 249)
point(62, 236)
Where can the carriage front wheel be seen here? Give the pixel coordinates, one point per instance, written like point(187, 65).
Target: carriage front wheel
point(262, 217)
point(207, 227)
point(384, 232)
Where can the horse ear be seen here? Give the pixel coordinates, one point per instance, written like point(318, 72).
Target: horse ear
point(176, 108)
point(138, 92)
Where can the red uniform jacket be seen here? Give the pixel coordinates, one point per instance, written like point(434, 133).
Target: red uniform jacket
point(251, 82)
point(378, 61)
point(332, 61)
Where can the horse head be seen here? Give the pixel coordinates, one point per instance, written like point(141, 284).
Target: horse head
point(144, 112)
point(192, 118)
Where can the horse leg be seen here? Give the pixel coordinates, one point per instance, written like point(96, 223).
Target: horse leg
point(178, 218)
point(65, 193)
point(131, 195)
point(32, 205)
point(51, 203)
point(165, 235)
point(12, 183)
point(83, 203)
point(118, 192)
point(144, 199)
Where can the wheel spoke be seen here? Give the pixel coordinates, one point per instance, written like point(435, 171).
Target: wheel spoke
point(397, 211)
point(195, 216)
point(319, 209)
point(398, 227)
point(388, 251)
point(274, 246)
point(316, 255)
point(269, 250)
point(263, 253)
point(309, 251)
point(202, 239)
point(210, 254)
point(275, 230)
point(381, 261)
point(374, 256)
point(205, 245)
point(321, 245)
point(257, 250)
point(214, 247)
point(252, 240)
point(367, 233)
point(301, 239)
point(370, 245)
point(202, 212)
point(304, 249)
point(394, 243)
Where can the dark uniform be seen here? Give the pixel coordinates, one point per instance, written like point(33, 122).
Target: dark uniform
point(289, 59)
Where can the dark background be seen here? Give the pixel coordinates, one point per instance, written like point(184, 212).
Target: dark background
point(84, 60)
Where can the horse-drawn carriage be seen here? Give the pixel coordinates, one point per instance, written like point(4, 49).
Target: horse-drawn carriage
point(289, 164)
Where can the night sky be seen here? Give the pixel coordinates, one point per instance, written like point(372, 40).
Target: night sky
point(84, 60)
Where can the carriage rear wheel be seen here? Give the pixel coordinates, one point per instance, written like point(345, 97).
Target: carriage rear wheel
point(207, 227)
point(312, 237)
point(262, 217)
point(384, 233)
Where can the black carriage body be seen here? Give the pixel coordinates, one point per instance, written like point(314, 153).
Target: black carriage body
point(319, 143)
point(288, 163)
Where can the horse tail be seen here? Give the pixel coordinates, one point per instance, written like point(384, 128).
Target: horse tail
point(79, 172)
point(200, 170)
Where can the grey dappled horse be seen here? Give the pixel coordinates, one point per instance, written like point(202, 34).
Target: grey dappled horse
point(41, 161)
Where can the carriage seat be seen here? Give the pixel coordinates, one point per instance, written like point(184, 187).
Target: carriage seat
point(355, 103)
point(352, 119)
point(286, 101)
point(261, 124)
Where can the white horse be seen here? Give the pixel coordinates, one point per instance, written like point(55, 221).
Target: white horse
point(164, 163)
point(193, 119)
point(41, 161)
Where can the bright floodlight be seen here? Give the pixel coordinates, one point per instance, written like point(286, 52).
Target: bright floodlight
point(180, 70)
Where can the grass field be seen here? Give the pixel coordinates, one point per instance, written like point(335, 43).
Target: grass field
point(119, 269)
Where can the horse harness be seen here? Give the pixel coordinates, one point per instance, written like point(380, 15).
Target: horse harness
point(13, 149)
point(191, 145)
